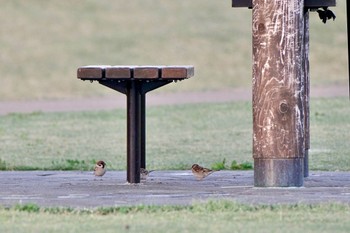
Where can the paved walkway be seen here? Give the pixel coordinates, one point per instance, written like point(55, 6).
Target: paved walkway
point(82, 189)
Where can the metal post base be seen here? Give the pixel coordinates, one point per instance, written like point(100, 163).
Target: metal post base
point(279, 172)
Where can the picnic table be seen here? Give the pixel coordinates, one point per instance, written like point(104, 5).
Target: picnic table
point(135, 82)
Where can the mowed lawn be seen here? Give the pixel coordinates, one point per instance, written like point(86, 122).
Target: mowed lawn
point(44, 42)
point(219, 216)
point(177, 137)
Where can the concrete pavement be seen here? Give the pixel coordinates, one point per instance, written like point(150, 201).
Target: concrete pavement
point(82, 190)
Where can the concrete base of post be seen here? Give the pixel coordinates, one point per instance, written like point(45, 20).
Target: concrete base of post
point(279, 172)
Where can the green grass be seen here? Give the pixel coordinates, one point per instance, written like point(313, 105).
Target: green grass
point(213, 216)
point(213, 135)
point(222, 165)
point(330, 134)
point(44, 42)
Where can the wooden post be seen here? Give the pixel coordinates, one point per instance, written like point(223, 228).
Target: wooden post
point(306, 92)
point(278, 108)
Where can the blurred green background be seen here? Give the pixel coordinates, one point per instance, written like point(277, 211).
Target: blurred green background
point(44, 42)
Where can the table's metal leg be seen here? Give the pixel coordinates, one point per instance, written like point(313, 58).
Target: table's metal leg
point(135, 91)
point(133, 132)
point(143, 130)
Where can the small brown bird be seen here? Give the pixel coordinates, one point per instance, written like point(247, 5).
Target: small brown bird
point(100, 168)
point(200, 172)
point(144, 173)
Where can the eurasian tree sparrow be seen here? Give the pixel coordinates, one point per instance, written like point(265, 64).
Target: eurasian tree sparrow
point(200, 172)
point(144, 173)
point(100, 168)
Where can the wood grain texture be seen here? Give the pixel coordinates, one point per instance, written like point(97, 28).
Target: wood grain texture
point(177, 72)
point(147, 72)
point(306, 75)
point(91, 72)
point(277, 79)
point(306, 93)
point(119, 72)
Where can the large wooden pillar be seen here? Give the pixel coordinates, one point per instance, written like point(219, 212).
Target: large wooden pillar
point(278, 106)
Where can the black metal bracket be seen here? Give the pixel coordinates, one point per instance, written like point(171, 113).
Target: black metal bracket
point(122, 86)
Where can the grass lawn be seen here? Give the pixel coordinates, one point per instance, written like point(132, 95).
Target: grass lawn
point(218, 216)
point(44, 42)
point(177, 137)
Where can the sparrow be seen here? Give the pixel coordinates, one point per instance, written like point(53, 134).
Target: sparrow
point(326, 14)
point(100, 168)
point(144, 173)
point(200, 172)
